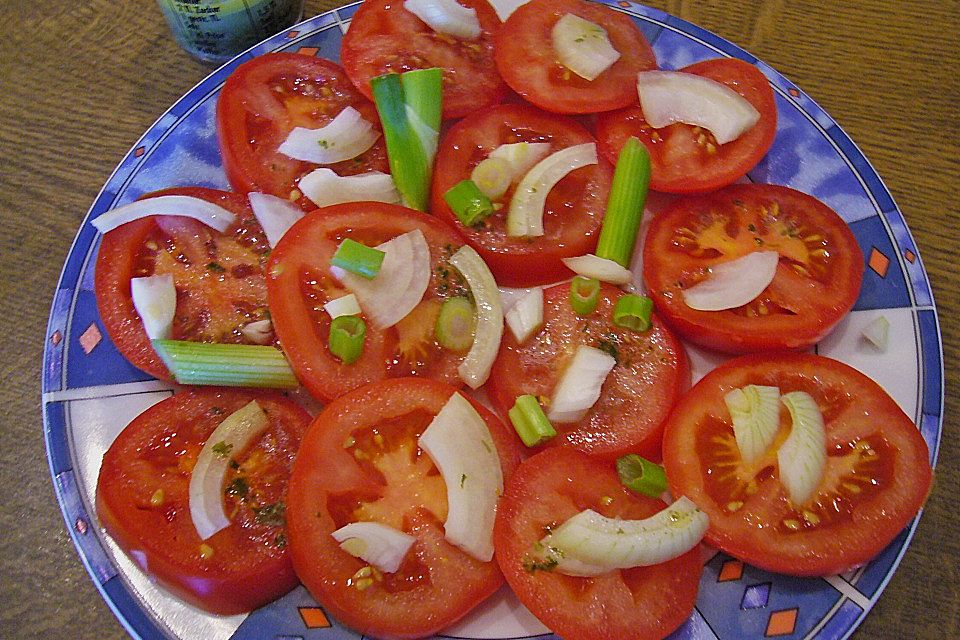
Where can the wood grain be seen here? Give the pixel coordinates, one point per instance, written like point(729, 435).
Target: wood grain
point(81, 81)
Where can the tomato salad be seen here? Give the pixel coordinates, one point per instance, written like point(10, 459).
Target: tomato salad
point(407, 500)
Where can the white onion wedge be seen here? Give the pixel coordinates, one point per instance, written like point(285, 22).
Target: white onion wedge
point(155, 299)
point(525, 215)
point(667, 97)
point(733, 283)
point(460, 445)
point(505, 8)
point(589, 544)
point(505, 165)
point(475, 368)
point(877, 332)
point(755, 411)
point(602, 269)
point(802, 457)
point(274, 214)
point(210, 214)
point(400, 284)
point(446, 16)
point(206, 480)
point(259, 331)
point(525, 317)
point(582, 46)
point(580, 385)
point(324, 187)
point(343, 306)
point(375, 543)
point(345, 137)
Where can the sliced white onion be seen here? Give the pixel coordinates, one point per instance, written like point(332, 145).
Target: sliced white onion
point(475, 368)
point(525, 216)
point(324, 187)
point(345, 137)
point(522, 156)
point(493, 176)
point(579, 387)
point(446, 16)
point(589, 544)
point(733, 283)
point(460, 445)
point(375, 543)
point(274, 214)
point(667, 97)
point(206, 481)
point(877, 332)
point(155, 299)
point(755, 411)
point(208, 213)
point(602, 269)
point(400, 284)
point(343, 306)
point(259, 331)
point(802, 457)
point(505, 8)
point(583, 46)
point(525, 317)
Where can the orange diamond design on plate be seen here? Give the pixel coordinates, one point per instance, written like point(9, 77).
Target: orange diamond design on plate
point(139, 151)
point(793, 92)
point(314, 617)
point(879, 262)
point(910, 256)
point(56, 337)
point(308, 51)
point(782, 623)
point(292, 34)
point(625, 5)
point(90, 338)
point(731, 570)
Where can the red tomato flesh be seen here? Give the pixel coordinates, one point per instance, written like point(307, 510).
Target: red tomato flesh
point(264, 99)
point(685, 158)
point(143, 500)
point(643, 602)
point(650, 376)
point(573, 212)
point(360, 462)
point(816, 283)
point(299, 283)
point(877, 474)
point(386, 38)
point(218, 276)
point(528, 62)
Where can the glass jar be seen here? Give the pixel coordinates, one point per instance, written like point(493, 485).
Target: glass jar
point(214, 31)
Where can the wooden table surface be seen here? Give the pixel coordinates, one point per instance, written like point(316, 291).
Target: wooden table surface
point(82, 80)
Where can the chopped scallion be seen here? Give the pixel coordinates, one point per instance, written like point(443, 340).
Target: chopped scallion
point(628, 193)
point(633, 312)
point(641, 476)
point(358, 258)
point(469, 204)
point(530, 421)
point(456, 324)
point(584, 295)
point(226, 365)
point(347, 334)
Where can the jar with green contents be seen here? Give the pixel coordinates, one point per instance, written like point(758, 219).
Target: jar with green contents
point(214, 31)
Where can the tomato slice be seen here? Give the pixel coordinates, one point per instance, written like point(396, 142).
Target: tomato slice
point(643, 602)
point(264, 99)
point(650, 375)
point(685, 158)
point(218, 276)
point(300, 283)
point(816, 283)
point(384, 37)
point(143, 499)
point(526, 59)
point(574, 208)
point(360, 462)
point(877, 474)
